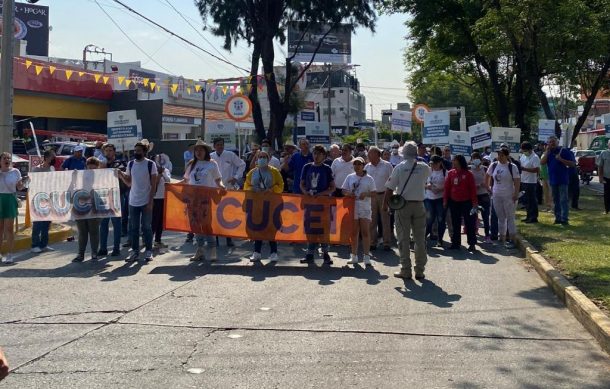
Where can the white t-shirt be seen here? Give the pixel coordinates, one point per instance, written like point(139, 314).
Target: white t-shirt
point(531, 162)
point(275, 163)
point(203, 173)
point(341, 169)
point(437, 179)
point(165, 178)
point(504, 186)
point(380, 173)
point(359, 185)
point(141, 185)
point(9, 180)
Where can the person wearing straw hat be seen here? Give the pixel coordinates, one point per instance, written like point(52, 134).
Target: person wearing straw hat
point(203, 171)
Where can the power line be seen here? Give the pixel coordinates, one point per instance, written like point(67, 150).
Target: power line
point(131, 40)
point(178, 36)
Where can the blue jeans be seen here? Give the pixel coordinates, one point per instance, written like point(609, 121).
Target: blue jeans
point(140, 216)
point(560, 201)
point(40, 234)
point(116, 226)
point(435, 212)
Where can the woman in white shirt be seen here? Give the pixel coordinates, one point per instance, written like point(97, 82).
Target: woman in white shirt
point(163, 178)
point(10, 182)
point(202, 171)
point(361, 186)
point(479, 171)
point(435, 212)
point(504, 176)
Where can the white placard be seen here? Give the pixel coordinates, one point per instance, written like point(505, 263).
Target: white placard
point(402, 121)
point(546, 128)
point(459, 143)
point(224, 129)
point(436, 128)
point(122, 128)
point(510, 136)
point(480, 135)
point(317, 133)
point(74, 195)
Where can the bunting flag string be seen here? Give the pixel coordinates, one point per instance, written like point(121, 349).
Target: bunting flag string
point(240, 85)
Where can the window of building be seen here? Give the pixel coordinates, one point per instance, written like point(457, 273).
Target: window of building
point(332, 94)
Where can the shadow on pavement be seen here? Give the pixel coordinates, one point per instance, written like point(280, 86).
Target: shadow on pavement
point(325, 275)
point(428, 292)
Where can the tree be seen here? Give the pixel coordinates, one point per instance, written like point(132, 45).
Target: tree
point(261, 22)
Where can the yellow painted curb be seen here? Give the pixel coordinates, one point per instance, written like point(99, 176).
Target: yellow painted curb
point(583, 309)
point(57, 233)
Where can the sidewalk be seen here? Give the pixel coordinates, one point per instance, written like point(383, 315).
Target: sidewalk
point(482, 320)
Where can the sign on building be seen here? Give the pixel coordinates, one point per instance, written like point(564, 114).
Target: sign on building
point(32, 25)
point(334, 46)
point(436, 128)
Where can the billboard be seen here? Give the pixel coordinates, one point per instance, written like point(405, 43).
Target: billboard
point(335, 46)
point(32, 25)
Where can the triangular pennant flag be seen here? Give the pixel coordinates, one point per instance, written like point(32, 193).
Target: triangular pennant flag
point(69, 74)
point(174, 88)
point(188, 90)
point(152, 85)
point(249, 79)
point(97, 77)
point(80, 74)
point(225, 89)
point(28, 63)
point(105, 79)
point(210, 81)
point(52, 69)
point(197, 88)
point(128, 83)
point(145, 81)
point(158, 88)
point(38, 69)
point(121, 79)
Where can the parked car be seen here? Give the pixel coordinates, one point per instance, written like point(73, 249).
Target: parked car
point(67, 148)
point(599, 143)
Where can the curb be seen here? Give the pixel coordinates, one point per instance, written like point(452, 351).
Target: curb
point(58, 233)
point(583, 309)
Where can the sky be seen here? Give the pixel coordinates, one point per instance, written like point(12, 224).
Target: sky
point(76, 23)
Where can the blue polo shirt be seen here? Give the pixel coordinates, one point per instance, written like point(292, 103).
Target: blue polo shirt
point(74, 163)
point(559, 174)
point(297, 161)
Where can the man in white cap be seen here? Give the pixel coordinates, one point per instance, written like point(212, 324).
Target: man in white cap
point(408, 180)
point(76, 161)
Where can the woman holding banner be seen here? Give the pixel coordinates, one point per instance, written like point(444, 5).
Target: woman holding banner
point(203, 171)
point(10, 182)
point(264, 179)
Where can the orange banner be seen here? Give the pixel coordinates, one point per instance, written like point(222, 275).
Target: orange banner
point(258, 216)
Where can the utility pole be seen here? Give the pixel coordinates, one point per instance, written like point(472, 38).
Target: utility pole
point(330, 122)
point(374, 126)
point(6, 77)
point(203, 89)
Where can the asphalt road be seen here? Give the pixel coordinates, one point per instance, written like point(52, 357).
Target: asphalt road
point(478, 321)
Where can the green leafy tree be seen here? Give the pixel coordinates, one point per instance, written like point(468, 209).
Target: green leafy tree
point(261, 22)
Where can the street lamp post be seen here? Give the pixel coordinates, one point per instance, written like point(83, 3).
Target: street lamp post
point(6, 77)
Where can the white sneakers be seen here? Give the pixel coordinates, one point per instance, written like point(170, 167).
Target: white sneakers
point(8, 259)
point(255, 257)
point(353, 259)
point(36, 250)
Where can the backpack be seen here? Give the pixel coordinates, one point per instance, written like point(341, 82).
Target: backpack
point(150, 169)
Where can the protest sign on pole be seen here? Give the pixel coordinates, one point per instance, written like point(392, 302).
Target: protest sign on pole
point(459, 143)
point(480, 135)
point(401, 121)
point(258, 216)
point(546, 128)
point(224, 129)
point(317, 133)
point(122, 128)
point(74, 195)
point(436, 128)
point(509, 136)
